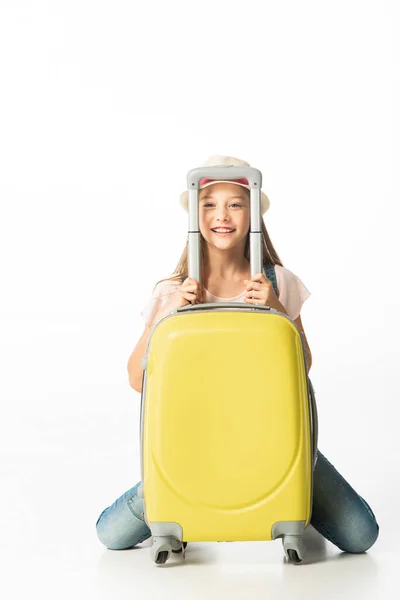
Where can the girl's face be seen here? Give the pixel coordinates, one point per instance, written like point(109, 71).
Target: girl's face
point(224, 205)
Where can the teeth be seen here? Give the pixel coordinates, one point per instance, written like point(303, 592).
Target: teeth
point(223, 230)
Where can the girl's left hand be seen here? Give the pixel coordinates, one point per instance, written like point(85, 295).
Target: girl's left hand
point(259, 290)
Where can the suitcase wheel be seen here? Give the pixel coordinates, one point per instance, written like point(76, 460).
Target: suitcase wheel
point(161, 557)
point(163, 546)
point(180, 549)
point(294, 557)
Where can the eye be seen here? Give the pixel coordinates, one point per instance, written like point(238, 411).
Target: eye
point(210, 204)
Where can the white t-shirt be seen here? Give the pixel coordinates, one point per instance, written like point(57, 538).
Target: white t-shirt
point(292, 294)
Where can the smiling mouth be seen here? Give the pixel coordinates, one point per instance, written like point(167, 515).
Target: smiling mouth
point(223, 232)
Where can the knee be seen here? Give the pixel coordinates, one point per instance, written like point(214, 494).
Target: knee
point(105, 533)
point(116, 534)
point(112, 541)
point(108, 539)
point(360, 535)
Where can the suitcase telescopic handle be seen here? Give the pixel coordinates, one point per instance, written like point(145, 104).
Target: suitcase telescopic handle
point(225, 172)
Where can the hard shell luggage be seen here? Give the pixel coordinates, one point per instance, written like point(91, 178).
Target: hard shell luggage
point(228, 416)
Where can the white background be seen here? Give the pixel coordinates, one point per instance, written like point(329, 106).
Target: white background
point(104, 107)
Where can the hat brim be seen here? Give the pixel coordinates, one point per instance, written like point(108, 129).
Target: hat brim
point(265, 203)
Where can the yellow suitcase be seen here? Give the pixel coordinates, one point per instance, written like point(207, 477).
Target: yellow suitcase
point(228, 421)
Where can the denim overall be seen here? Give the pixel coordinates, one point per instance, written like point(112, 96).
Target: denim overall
point(269, 270)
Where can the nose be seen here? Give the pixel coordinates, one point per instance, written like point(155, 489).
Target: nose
point(222, 214)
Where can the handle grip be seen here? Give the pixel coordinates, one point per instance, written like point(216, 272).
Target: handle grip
point(253, 176)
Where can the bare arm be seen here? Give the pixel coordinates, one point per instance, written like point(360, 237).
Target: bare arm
point(279, 307)
point(135, 370)
point(187, 292)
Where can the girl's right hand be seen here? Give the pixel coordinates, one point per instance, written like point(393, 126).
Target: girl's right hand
point(189, 292)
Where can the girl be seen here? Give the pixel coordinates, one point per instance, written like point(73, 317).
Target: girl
point(338, 512)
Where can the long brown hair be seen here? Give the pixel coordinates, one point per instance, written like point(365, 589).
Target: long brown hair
point(270, 255)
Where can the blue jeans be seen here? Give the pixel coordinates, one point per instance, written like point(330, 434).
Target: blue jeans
point(338, 513)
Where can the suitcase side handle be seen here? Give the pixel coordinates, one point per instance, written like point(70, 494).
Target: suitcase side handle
point(314, 420)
